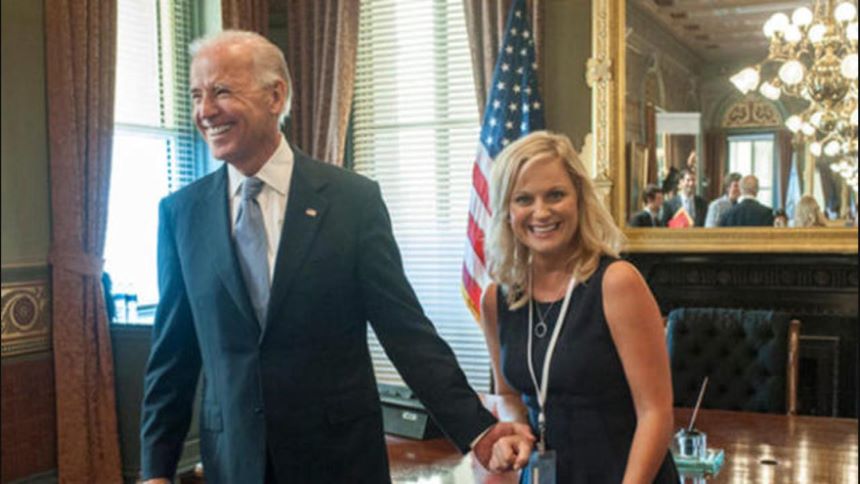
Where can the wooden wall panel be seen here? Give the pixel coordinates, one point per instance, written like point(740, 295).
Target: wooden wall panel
point(28, 438)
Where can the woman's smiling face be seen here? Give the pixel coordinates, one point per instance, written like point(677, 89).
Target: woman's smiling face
point(543, 207)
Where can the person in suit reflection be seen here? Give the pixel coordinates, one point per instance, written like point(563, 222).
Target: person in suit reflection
point(748, 212)
point(269, 270)
point(650, 215)
point(686, 198)
point(731, 194)
point(554, 257)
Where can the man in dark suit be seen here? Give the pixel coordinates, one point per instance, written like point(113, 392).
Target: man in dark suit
point(269, 269)
point(748, 212)
point(650, 216)
point(687, 199)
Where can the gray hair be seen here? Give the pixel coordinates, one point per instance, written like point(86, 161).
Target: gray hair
point(269, 62)
point(596, 233)
point(749, 185)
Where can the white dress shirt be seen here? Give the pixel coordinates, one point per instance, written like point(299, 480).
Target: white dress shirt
point(655, 216)
point(689, 204)
point(276, 174)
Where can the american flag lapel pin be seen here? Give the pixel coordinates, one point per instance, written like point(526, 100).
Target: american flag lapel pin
point(311, 212)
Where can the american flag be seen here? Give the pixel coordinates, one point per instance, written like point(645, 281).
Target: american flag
point(513, 110)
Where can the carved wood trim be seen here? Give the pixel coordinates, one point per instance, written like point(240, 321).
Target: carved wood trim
point(25, 318)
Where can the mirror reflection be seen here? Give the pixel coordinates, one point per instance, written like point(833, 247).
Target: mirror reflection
point(738, 116)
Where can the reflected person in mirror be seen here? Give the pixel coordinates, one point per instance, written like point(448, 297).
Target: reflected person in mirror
point(780, 218)
point(748, 212)
point(692, 160)
point(650, 216)
point(604, 390)
point(731, 194)
point(808, 213)
point(670, 183)
point(270, 269)
point(693, 204)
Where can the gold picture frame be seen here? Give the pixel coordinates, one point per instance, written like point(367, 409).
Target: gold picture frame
point(606, 77)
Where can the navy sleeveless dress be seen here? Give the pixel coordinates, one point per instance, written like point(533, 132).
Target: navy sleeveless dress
point(590, 414)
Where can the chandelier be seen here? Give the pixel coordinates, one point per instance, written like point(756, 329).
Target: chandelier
point(812, 65)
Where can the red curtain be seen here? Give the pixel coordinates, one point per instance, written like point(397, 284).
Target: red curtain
point(651, 141)
point(250, 15)
point(80, 59)
point(322, 45)
point(784, 139)
point(715, 162)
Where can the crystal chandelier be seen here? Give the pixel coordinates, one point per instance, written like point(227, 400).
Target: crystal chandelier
point(812, 64)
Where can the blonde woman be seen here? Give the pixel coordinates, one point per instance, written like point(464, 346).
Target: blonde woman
point(603, 401)
point(808, 213)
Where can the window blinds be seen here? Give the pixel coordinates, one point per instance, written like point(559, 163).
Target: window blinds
point(153, 142)
point(415, 131)
point(152, 80)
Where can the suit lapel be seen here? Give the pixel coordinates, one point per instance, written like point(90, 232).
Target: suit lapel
point(306, 208)
point(217, 229)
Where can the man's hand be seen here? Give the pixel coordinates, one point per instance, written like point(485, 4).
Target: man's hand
point(158, 480)
point(513, 451)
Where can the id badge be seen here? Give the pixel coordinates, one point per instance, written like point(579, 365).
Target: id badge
point(542, 467)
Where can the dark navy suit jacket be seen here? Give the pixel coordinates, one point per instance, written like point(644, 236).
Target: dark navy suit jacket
point(644, 219)
point(302, 389)
point(747, 213)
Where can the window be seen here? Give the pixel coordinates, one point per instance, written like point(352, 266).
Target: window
point(154, 143)
point(754, 155)
point(415, 131)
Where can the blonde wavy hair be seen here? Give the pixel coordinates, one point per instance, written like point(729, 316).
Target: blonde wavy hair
point(807, 213)
point(596, 233)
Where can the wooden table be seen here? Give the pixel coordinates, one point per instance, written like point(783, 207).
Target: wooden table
point(805, 449)
point(758, 448)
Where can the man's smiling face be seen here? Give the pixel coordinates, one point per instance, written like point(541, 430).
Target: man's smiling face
point(235, 113)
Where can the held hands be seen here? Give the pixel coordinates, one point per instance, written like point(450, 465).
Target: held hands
point(506, 446)
point(511, 453)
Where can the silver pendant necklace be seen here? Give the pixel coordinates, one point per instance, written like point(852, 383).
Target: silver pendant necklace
point(541, 327)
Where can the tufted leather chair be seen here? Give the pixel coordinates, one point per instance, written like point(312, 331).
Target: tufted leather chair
point(750, 357)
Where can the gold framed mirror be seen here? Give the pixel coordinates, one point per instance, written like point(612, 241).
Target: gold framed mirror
point(606, 75)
